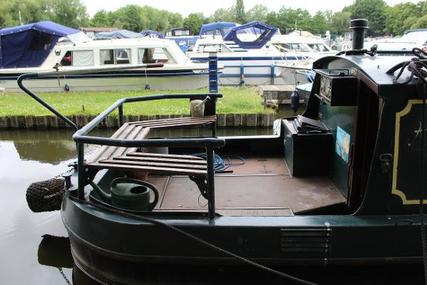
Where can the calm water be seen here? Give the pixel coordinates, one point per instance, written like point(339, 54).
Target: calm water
point(34, 248)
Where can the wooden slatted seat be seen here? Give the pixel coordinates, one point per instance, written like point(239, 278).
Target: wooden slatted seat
point(130, 158)
point(156, 163)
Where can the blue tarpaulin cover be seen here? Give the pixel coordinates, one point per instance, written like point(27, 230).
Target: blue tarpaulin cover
point(216, 29)
point(152, 34)
point(263, 32)
point(29, 45)
point(120, 34)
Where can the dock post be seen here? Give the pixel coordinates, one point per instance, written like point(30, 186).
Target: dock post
point(213, 72)
point(242, 75)
point(272, 73)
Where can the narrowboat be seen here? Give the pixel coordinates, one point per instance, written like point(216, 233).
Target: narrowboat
point(343, 183)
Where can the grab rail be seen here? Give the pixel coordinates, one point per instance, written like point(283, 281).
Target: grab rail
point(81, 137)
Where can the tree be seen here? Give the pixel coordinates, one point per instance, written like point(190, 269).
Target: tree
point(340, 22)
point(130, 18)
point(101, 18)
point(71, 13)
point(400, 18)
point(240, 16)
point(420, 23)
point(374, 11)
point(175, 20)
point(319, 23)
point(288, 19)
point(257, 13)
point(194, 22)
point(226, 15)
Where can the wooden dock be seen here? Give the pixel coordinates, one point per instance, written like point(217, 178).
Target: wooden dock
point(277, 94)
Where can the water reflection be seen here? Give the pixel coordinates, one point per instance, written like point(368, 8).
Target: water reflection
point(27, 156)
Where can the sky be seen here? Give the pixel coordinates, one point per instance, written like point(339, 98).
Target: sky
point(207, 7)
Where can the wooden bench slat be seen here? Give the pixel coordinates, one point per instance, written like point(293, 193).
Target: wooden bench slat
point(125, 132)
point(104, 148)
point(165, 160)
point(159, 170)
point(124, 160)
point(183, 156)
point(179, 121)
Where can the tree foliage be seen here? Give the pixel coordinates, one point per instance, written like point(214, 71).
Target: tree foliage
point(420, 23)
point(240, 15)
point(340, 22)
point(194, 22)
point(374, 11)
point(70, 13)
point(258, 12)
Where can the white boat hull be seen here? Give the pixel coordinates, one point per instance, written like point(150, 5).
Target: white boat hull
point(185, 82)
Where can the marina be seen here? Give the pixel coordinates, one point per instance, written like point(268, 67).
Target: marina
point(315, 174)
point(139, 146)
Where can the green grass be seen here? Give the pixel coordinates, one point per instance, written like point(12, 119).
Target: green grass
point(235, 100)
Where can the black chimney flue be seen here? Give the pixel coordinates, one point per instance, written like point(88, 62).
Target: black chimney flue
point(358, 26)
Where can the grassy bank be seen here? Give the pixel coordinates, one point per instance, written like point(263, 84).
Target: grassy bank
point(236, 100)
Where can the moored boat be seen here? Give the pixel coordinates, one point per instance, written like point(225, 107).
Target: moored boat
point(47, 46)
point(344, 183)
point(246, 53)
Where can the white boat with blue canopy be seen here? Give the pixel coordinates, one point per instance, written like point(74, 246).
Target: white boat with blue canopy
point(245, 51)
point(46, 46)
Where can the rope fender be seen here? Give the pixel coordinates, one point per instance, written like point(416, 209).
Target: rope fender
point(45, 196)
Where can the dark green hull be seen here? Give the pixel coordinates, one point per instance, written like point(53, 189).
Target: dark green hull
point(112, 248)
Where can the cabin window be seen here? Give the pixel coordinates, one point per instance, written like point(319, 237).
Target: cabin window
point(297, 47)
point(154, 55)
point(78, 58)
point(318, 47)
point(115, 56)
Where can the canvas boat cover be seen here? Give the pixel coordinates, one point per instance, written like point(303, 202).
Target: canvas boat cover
point(152, 34)
point(262, 34)
point(120, 34)
point(216, 29)
point(29, 45)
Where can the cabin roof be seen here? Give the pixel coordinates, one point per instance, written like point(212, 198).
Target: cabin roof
point(375, 67)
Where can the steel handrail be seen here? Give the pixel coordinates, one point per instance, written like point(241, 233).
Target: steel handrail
point(79, 134)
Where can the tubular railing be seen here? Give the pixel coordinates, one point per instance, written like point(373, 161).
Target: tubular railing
point(82, 137)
